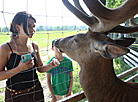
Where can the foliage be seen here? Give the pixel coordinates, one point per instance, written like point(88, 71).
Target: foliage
point(120, 66)
point(52, 28)
point(136, 19)
point(76, 82)
point(1, 98)
point(114, 3)
point(2, 90)
point(41, 28)
point(60, 28)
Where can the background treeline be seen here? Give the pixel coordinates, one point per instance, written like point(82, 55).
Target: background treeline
point(51, 28)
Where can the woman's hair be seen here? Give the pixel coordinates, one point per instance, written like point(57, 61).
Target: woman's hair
point(20, 18)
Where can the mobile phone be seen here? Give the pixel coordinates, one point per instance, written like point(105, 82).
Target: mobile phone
point(26, 57)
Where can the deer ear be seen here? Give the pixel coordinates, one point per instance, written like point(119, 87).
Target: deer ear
point(113, 51)
point(124, 41)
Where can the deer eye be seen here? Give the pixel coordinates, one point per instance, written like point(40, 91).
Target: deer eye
point(76, 40)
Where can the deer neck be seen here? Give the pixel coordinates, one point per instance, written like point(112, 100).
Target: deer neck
point(97, 73)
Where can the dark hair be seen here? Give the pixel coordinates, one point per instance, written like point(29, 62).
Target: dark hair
point(19, 18)
point(53, 42)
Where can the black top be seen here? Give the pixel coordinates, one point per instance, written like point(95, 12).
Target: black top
point(25, 79)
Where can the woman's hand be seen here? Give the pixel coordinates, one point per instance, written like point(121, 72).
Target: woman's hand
point(54, 63)
point(25, 66)
point(49, 66)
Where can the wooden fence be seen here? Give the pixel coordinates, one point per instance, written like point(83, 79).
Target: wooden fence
point(132, 58)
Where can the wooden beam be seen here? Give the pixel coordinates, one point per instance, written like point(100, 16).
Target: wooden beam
point(128, 72)
point(74, 98)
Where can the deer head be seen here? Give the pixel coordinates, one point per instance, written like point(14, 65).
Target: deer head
point(103, 21)
point(94, 50)
point(82, 46)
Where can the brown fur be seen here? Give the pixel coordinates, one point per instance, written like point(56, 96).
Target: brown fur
point(97, 76)
point(94, 51)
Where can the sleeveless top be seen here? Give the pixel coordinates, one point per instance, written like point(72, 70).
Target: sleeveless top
point(25, 79)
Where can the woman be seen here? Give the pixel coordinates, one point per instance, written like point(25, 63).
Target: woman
point(23, 84)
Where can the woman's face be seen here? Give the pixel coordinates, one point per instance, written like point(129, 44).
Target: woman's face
point(31, 27)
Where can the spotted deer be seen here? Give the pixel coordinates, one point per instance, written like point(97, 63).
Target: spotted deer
point(95, 51)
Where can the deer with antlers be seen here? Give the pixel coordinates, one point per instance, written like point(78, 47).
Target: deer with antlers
point(94, 51)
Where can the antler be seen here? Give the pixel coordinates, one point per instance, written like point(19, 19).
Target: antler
point(125, 29)
point(77, 4)
point(104, 19)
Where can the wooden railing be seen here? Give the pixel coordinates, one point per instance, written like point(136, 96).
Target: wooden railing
point(132, 58)
point(80, 95)
point(74, 98)
point(127, 73)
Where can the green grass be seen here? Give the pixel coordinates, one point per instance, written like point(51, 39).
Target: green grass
point(43, 38)
point(4, 37)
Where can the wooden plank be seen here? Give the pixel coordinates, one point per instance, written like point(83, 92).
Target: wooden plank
point(131, 59)
point(134, 52)
point(74, 98)
point(128, 72)
point(134, 77)
point(129, 63)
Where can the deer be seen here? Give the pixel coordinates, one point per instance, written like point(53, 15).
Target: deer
point(94, 51)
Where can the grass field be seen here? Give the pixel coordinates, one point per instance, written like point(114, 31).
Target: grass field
point(43, 38)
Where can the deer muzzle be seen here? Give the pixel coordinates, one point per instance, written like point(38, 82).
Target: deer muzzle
point(57, 45)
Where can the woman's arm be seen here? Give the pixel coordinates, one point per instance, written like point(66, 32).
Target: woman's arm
point(49, 66)
point(44, 68)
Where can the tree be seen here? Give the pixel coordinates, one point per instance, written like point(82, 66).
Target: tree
point(58, 28)
point(41, 28)
point(65, 27)
point(5, 29)
point(75, 27)
point(51, 28)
